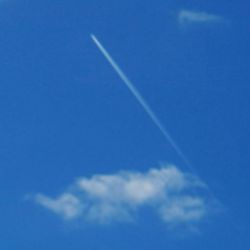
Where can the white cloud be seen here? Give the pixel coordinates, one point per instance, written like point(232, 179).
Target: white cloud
point(171, 193)
point(184, 209)
point(188, 17)
point(67, 205)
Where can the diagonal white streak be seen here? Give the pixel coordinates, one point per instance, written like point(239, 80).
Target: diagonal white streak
point(141, 100)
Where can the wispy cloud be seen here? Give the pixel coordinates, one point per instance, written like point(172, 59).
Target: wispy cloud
point(189, 17)
point(174, 195)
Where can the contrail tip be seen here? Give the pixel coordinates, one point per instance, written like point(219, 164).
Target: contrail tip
point(93, 37)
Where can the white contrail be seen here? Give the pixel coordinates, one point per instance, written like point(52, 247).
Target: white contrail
point(141, 100)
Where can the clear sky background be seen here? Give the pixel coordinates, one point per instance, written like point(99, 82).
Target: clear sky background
point(64, 113)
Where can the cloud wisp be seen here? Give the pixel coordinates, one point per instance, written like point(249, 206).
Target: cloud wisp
point(197, 17)
point(177, 197)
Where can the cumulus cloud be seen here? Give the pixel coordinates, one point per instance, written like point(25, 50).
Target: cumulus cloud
point(67, 205)
point(191, 17)
point(175, 196)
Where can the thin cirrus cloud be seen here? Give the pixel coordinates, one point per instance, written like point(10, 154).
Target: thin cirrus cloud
point(176, 197)
point(197, 17)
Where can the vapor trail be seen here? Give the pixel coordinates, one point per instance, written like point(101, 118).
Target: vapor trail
point(141, 100)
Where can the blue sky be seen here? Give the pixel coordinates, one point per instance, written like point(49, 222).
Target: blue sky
point(83, 166)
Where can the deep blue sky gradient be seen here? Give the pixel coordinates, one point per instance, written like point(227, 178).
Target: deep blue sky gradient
point(64, 113)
